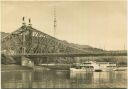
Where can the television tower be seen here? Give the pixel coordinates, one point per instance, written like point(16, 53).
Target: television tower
point(55, 21)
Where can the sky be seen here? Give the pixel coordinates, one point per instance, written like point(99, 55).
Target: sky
point(100, 24)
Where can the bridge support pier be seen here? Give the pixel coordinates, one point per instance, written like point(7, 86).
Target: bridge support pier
point(26, 62)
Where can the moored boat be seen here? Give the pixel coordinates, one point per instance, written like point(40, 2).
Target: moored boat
point(94, 66)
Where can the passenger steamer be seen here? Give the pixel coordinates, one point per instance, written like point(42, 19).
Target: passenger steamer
point(94, 66)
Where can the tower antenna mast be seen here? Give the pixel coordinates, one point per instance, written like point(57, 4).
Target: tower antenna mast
point(55, 21)
point(23, 19)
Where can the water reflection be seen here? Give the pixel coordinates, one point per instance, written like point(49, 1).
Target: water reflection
point(63, 79)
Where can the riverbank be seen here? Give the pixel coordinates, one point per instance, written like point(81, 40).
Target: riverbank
point(57, 66)
point(14, 67)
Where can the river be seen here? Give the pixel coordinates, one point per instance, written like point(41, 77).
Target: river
point(63, 79)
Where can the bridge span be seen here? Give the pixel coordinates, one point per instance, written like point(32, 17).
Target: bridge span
point(29, 43)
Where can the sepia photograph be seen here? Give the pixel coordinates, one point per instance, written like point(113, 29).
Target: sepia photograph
point(64, 44)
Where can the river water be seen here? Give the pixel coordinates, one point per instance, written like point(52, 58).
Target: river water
point(63, 79)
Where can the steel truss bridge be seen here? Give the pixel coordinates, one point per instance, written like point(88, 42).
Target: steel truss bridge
point(30, 42)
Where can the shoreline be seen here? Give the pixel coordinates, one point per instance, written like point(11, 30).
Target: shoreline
point(14, 67)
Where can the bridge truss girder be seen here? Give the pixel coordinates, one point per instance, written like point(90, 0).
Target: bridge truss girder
point(27, 40)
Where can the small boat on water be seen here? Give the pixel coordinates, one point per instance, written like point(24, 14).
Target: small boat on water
point(98, 70)
point(94, 66)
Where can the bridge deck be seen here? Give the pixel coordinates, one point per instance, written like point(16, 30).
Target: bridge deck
point(73, 54)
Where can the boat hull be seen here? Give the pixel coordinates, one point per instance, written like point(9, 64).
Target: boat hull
point(80, 70)
point(87, 70)
point(98, 70)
